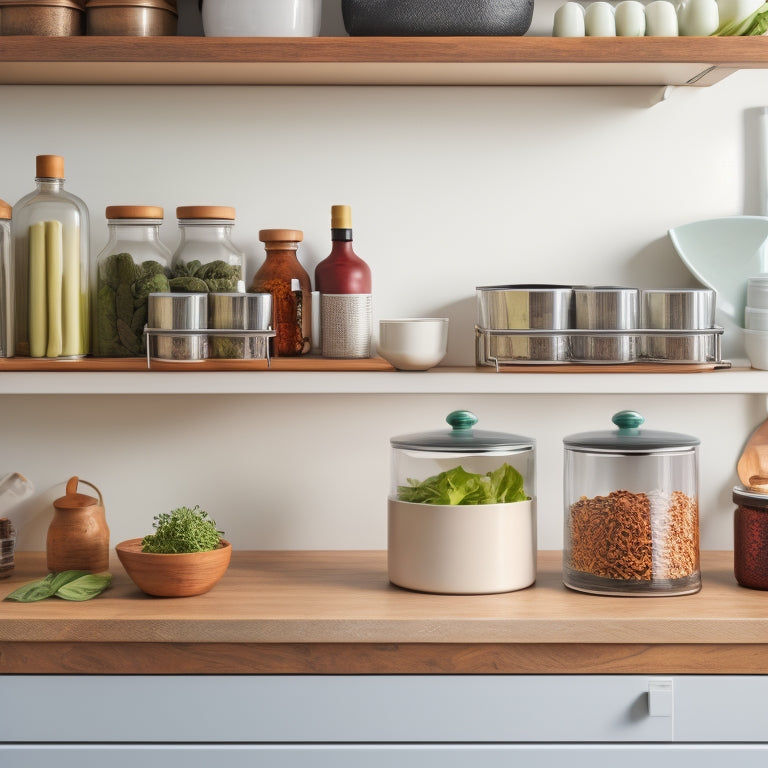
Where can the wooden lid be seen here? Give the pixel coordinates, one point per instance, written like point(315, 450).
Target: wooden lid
point(280, 235)
point(73, 499)
point(49, 167)
point(134, 212)
point(205, 212)
point(5, 210)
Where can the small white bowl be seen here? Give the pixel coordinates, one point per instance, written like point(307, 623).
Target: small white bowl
point(757, 292)
point(413, 343)
point(756, 346)
point(262, 18)
point(756, 319)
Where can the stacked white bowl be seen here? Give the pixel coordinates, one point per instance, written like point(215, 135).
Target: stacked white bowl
point(756, 321)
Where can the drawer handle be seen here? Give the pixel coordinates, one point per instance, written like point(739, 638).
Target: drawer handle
point(661, 698)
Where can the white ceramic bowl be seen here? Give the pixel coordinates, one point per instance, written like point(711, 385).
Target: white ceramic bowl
point(756, 319)
point(413, 343)
point(757, 292)
point(756, 346)
point(262, 18)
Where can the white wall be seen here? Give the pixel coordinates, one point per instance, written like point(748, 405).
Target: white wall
point(451, 188)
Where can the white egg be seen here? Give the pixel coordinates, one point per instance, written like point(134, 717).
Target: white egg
point(698, 17)
point(569, 21)
point(599, 20)
point(661, 19)
point(630, 19)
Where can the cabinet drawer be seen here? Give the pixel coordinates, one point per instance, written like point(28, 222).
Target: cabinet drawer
point(386, 708)
point(386, 756)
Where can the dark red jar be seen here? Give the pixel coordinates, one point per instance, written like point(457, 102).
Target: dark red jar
point(750, 538)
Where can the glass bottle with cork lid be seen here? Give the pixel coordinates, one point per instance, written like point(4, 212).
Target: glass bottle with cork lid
point(133, 264)
point(206, 260)
point(6, 282)
point(282, 275)
point(51, 264)
point(343, 280)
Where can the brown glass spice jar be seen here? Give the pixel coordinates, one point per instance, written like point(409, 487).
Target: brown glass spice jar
point(283, 276)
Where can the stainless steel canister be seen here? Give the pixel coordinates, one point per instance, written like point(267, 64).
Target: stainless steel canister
point(178, 312)
point(605, 308)
point(683, 310)
point(258, 317)
point(523, 307)
point(241, 312)
point(505, 307)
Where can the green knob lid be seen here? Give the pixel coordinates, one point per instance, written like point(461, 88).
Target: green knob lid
point(629, 438)
point(628, 422)
point(461, 420)
point(462, 438)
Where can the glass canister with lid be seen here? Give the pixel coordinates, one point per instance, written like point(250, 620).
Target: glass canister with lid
point(631, 511)
point(462, 510)
point(51, 267)
point(206, 260)
point(133, 264)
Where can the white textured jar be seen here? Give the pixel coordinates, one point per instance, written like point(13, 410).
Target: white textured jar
point(262, 18)
point(462, 510)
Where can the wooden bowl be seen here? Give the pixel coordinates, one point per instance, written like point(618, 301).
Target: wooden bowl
point(176, 575)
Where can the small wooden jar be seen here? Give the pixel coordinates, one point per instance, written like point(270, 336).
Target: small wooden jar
point(78, 536)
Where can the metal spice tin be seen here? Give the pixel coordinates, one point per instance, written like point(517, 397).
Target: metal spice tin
point(631, 511)
point(750, 538)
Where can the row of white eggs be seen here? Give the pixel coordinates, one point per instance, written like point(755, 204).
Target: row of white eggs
point(630, 18)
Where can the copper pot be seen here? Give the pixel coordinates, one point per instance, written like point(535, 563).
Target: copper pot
point(51, 18)
point(135, 18)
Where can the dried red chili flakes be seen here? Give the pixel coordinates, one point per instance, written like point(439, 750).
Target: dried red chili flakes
point(631, 536)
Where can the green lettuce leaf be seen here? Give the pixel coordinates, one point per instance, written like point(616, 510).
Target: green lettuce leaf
point(458, 487)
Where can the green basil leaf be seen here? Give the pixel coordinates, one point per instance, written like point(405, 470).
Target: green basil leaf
point(85, 587)
point(42, 588)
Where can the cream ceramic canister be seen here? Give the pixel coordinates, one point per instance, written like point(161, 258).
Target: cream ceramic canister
point(78, 536)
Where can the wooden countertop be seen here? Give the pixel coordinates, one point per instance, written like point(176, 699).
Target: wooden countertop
point(335, 612)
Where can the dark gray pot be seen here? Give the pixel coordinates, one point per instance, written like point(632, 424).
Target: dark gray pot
point(437, 17)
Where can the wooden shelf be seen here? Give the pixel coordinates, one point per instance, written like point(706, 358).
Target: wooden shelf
point(336, 613)
point(650, 61)
point(70, 380)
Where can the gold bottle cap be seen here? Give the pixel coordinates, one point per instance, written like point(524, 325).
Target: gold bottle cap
point(341, 217)
point(134, 212)
point(5, 210)
point(49, 167)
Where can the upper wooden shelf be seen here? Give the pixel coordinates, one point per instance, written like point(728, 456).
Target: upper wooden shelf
point(377, 60)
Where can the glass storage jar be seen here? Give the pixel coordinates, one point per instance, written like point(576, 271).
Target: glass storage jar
point(133, 264)
point(462, 510)
point(631, 511)
point(52, 267)
point(6, 282)
point(750, 538)
point(206, 261)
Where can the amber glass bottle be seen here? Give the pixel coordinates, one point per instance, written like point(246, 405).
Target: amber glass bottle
point(282, 275)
